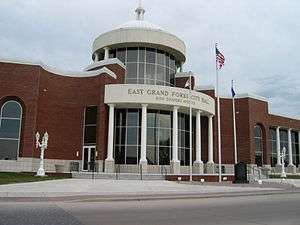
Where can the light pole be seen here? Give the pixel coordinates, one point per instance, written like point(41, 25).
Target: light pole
point(282, 155)
point(43, 146)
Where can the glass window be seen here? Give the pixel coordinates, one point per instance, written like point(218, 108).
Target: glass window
point(273, 145)
point(151, 155)
point(164, 137)
point(8, 149)
point(142, 53)
point(131, 71)
point(184, 156)
point(127, 137)
point(172, 63)
point(90, 125)
point(121, 54)
point(120, 154)
point(112, 53)
point(150, 55)
point(101, 56)
point(160, 73)
point(146, 65)
point(150, 71)
point(141, 72)
point(165, 119)
point(159, 136)
point(295, 148)
point(133, 117)
point(151, 118)
point(132, 54)
point(10, 129)
point(91, 115)
point(131, 155)
point(11, 109)
point(132, 136)
point(164, 156)
point(284, 143)
point(167, 59)
point(90, 135)
point(151, 136)
point(121, 117)
point(160, 57)
point(258, 145)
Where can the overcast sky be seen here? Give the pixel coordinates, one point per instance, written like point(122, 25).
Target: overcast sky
point(258, 38)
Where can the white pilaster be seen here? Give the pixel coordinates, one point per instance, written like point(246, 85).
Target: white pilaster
point(198, 137)
point(109, 162)
point(143, 158)
point(175, 163)
point(290, 147)
point(106, 53)
point(278, 145)
point(210, 140)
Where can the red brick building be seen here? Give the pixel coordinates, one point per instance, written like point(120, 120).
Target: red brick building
point(129, 110)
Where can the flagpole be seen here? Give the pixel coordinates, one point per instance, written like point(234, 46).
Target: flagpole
point(191, 151)
point(218, 118)
point(234, 124)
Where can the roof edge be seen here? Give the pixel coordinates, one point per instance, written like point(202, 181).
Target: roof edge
point(105, 62)
point(59, 71)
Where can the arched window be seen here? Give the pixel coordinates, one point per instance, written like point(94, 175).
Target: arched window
point(10, 129)
point(258, 137)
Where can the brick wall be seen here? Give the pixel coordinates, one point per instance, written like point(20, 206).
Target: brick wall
point(56, 104)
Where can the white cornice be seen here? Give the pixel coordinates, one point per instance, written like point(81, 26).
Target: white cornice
point(106, 62)
point(284, 116)
point(62, 72)
point(247, 95)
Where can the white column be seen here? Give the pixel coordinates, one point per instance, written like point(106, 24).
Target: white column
point(210, 139)
point(106, 53)
point(175, 135)
point(143, 158)
point(96, 57)
point(290, 147)
point(110, 142)
point(198, 137)
point(278, 145)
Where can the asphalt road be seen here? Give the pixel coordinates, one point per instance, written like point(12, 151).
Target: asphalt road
point(266, 210)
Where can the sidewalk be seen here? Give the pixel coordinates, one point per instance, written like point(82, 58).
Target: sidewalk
point(124, 189)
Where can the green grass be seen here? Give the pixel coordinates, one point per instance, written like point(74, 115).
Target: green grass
point(10, 178)
point(287, 177)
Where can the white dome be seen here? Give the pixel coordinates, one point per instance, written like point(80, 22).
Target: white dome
point(140, 24)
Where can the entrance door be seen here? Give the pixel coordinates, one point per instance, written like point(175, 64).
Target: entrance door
point(88, 158)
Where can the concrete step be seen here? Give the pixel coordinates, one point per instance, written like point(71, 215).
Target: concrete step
point(117, 176)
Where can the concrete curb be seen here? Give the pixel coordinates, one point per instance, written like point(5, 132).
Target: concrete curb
point(106, 198)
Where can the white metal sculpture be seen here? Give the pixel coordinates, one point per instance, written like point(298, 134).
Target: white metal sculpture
point(282, 156)
point(43, 146)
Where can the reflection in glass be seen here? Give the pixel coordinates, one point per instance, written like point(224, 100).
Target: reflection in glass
point(151, 155)
point(150, 55)
point(258, 145)
point(121, 54)
point(132, 55)
point(159, 137)
point(10, 129)
point(90, 125)
point(147, 65)
point(11, 109)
